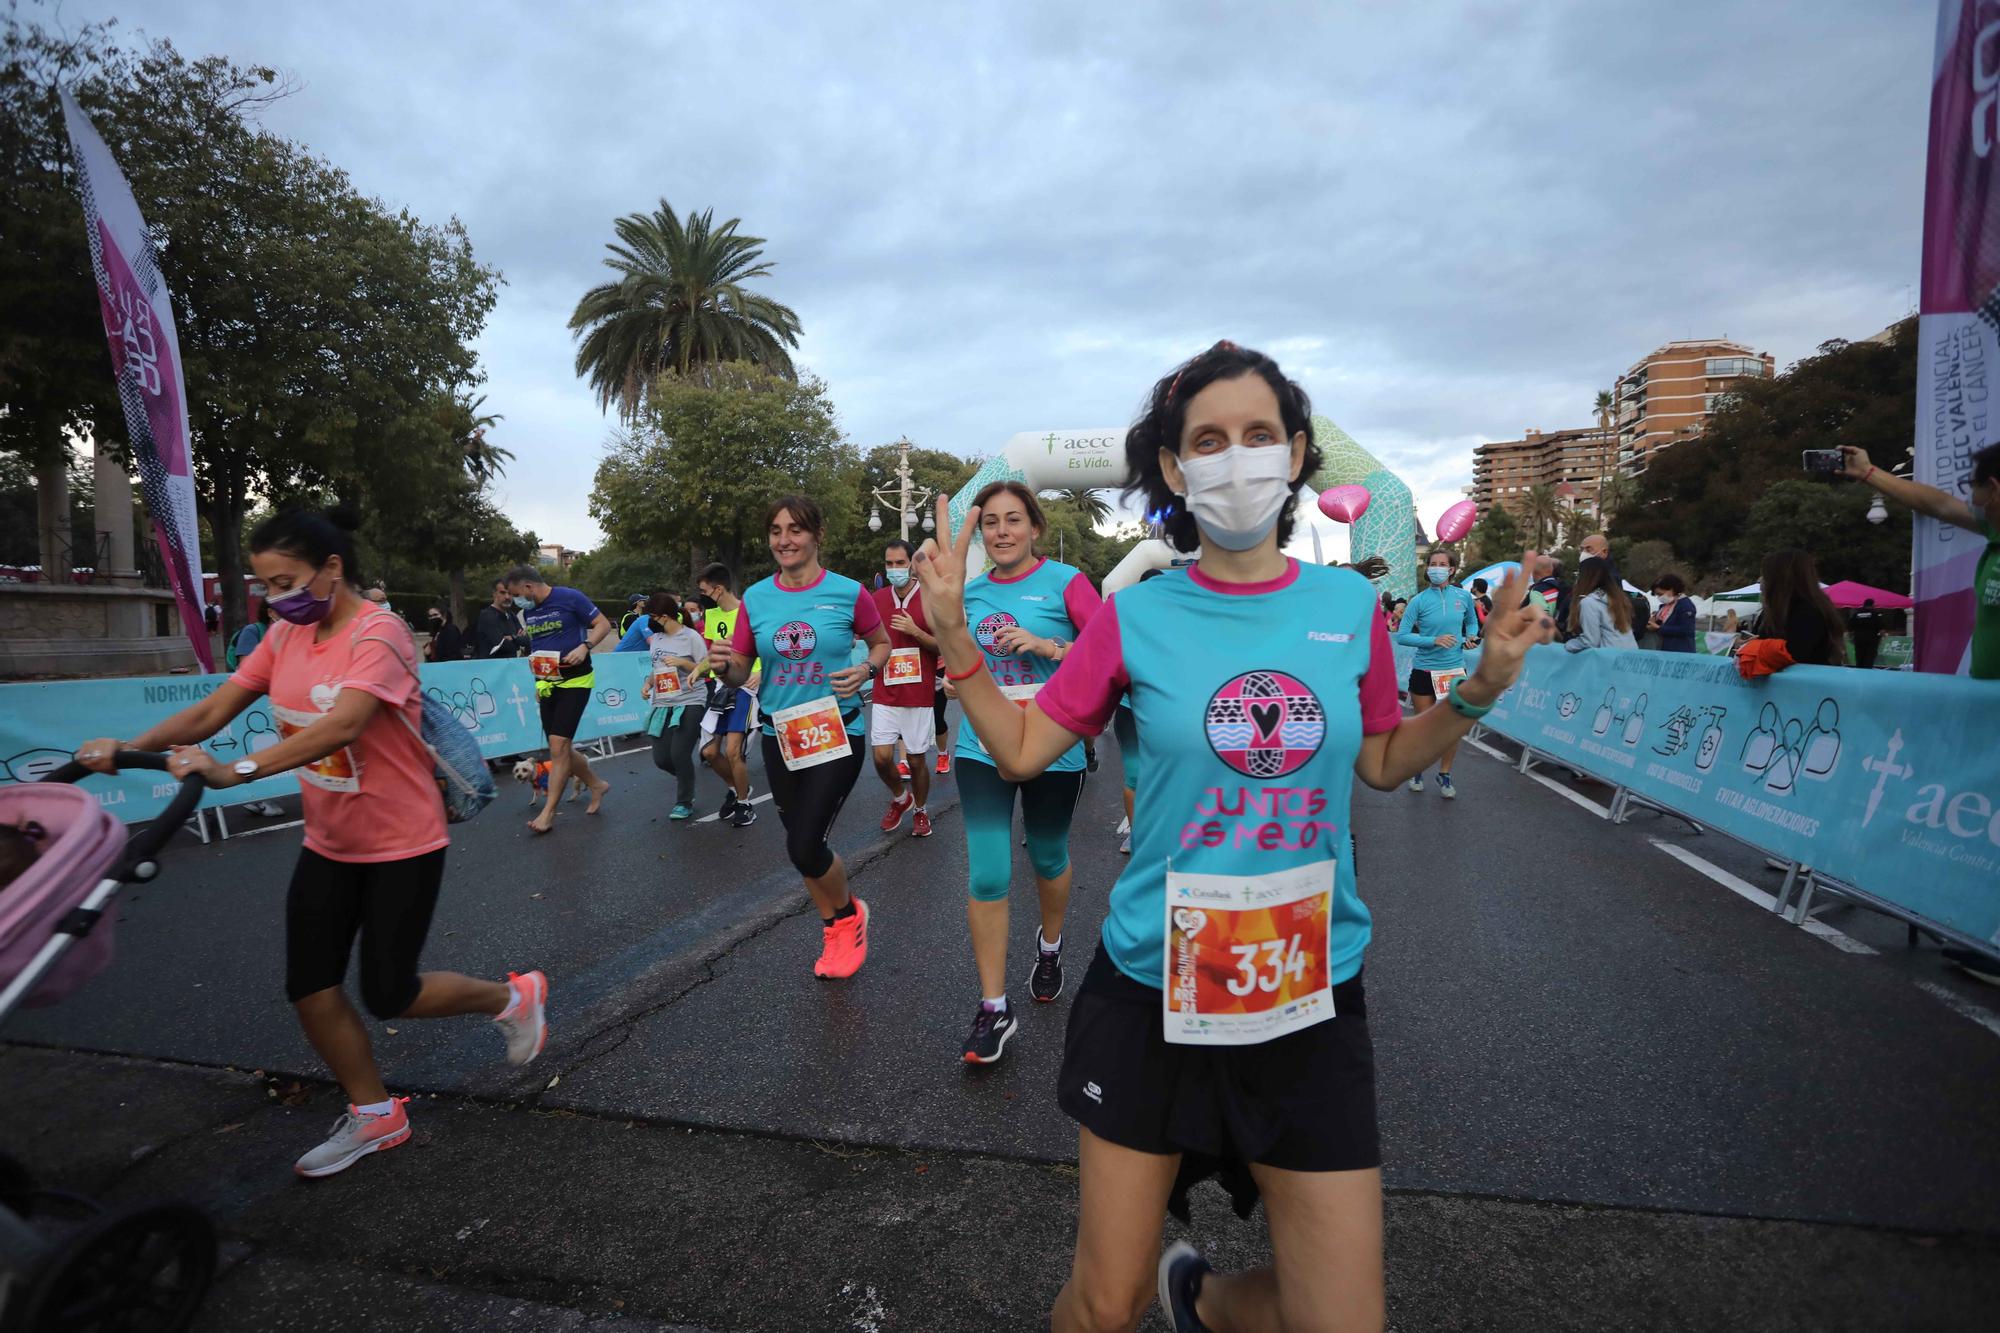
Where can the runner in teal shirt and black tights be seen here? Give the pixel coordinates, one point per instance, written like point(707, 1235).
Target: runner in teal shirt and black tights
point(1440, 621)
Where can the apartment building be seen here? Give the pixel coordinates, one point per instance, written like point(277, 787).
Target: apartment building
point(1666, 397)
point(1575, 462)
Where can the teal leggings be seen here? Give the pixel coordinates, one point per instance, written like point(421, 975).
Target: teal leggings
point(987, 800)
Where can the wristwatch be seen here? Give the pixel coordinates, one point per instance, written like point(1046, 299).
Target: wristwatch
point(244, 768)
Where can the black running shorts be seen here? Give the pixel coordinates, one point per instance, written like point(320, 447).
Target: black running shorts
point(387, 903)
point(1420, 683)
point(1301, 1102)
point(562, 710)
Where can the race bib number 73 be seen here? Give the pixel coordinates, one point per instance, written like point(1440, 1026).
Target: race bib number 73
point(1246, 955)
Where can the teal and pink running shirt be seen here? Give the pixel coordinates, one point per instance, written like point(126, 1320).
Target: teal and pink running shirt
point(1251, 701)
point(1052, 601)
point(803, 636)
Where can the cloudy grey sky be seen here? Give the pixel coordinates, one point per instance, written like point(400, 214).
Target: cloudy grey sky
point(1448, 221)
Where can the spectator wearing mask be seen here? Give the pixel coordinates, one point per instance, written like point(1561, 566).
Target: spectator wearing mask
point(1673, 619)
point(1600, 615)
point(447, 640)
point(1980, 513)
point(497, 631)
point(1549, 583)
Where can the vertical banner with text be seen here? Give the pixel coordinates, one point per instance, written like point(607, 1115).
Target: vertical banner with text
point(1959, 317)
point(146, 357)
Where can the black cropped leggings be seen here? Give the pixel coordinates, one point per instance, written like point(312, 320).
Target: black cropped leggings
point(387, 903)
point(808, 802)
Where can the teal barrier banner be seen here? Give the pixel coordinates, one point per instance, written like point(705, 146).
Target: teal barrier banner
point(494, 700)
point(616, 706)
point(41, 723)
point(1887, 780)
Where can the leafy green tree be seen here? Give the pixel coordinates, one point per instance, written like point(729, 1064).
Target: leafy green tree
point(1091, 506)
point(679, 303)
point(1643, 562)
point(319, 330)
point(1701, 496)
point(706, 456)
point(611, 573)
point(1497, 535)
point(1616, 494)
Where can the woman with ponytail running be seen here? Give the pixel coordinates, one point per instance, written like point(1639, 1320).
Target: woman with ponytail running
point(803, 622)
point(340, 678)
point(1025, 612)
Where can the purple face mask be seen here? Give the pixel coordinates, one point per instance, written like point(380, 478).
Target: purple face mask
point(299, 606)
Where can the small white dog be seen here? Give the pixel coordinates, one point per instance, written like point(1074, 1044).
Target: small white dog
point(534, 774)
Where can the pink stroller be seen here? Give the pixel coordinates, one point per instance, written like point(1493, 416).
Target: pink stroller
point(145, 1267)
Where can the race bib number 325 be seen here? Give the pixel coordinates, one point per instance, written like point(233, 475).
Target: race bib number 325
point(810, 734)
point(1246, 955)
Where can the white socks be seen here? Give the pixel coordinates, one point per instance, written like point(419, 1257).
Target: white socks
point(378, 1108)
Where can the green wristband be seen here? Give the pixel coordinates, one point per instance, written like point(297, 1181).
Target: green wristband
point(1464, 709)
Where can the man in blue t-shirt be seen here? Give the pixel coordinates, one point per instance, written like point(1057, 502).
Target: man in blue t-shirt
point(562, 627)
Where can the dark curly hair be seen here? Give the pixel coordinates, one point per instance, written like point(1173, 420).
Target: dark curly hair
point(1159, 427)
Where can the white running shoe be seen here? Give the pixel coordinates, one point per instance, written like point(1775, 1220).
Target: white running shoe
point(355, 1136)
point(522, 1022)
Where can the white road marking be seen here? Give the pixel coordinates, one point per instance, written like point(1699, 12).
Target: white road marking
point(754, 800)
point(1742, 888)
point(1600, 811)
point(1958, 1004)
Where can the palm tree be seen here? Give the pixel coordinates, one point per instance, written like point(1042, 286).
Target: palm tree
point(678, 303)
point(1090, 506)
point(484, 460)
point(1616, 493)
point(1543, 511)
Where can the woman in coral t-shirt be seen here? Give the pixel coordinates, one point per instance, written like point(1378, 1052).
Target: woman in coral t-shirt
point(340, 680)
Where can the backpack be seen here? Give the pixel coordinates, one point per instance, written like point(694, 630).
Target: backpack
point(1642, 611)
point(462, 776)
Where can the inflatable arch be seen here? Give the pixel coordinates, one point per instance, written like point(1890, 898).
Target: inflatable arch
point(1095, 460)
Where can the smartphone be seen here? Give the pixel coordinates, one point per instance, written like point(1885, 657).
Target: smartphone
point(1824, 462)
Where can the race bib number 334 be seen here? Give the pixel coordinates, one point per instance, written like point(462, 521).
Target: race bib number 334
point(1246, 955)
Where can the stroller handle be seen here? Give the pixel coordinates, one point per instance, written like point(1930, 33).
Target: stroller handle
point(148, 841)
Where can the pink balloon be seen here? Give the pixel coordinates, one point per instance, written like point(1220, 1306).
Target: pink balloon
point(1456, 521)
point(1344, 504)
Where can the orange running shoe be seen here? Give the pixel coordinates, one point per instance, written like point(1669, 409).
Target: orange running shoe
point(944, 762)
point(845, 946)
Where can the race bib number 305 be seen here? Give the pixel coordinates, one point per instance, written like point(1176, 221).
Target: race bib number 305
point(811, 733)
point(1246, 955)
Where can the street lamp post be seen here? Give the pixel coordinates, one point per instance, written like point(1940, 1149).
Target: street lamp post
point(906, 496)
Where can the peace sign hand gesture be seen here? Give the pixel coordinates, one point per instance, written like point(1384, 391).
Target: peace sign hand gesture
point(943, 574)
point(1511, 629)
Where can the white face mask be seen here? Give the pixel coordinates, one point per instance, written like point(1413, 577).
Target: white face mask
point(1237, 495)
point(897, 577)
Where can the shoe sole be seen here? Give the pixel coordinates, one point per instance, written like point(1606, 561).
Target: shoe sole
point(999, 1050)
point(374, 1145)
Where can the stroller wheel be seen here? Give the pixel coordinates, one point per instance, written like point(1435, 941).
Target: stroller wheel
point(17, 1186)
point(144, 1268)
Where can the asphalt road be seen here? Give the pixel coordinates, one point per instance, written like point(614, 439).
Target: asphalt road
point(1613, 1092)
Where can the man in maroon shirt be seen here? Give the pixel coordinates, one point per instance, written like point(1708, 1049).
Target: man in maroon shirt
point(903, 693)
